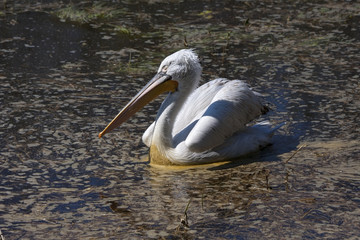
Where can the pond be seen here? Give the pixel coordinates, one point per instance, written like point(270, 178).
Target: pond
point(67, 68)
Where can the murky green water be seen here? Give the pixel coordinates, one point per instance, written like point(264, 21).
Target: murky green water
point(66, 69)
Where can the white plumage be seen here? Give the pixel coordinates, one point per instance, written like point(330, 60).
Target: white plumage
point(200, 125)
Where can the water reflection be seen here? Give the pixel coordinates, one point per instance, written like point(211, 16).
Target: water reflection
point(62, 81)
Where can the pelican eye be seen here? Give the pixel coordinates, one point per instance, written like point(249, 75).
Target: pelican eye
point(165, 68)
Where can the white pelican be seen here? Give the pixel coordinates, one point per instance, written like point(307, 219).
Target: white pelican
point(197, 125)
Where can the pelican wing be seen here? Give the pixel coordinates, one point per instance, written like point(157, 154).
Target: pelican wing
point(147, 136)
point(190, 112)
point(230, 105)
point(197, 103)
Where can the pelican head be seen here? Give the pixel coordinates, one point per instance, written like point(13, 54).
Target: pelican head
point(184, 67)
point(179, 74)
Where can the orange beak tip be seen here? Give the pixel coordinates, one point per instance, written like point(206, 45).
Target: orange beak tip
point(101, 134)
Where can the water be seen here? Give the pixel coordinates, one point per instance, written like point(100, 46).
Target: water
point(67, 69)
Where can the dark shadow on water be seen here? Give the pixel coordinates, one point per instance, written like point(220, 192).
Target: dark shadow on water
point(281, 144)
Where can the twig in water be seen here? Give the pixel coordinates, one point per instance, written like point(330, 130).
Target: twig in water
point(267, 180)
point(286, 181)
point(184, 221)
point(185, 42)
point(1, 236)
point(304, 145)
point(202, 201)
point(307, 213)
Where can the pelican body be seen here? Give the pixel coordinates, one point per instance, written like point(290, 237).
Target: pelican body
point(197, 125)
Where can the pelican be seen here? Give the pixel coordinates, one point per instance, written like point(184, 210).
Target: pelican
point(197, 125)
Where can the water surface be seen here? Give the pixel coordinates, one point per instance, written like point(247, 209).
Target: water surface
point(66, 70)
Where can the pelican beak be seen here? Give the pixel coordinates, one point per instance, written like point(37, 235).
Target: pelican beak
point(159, 83)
